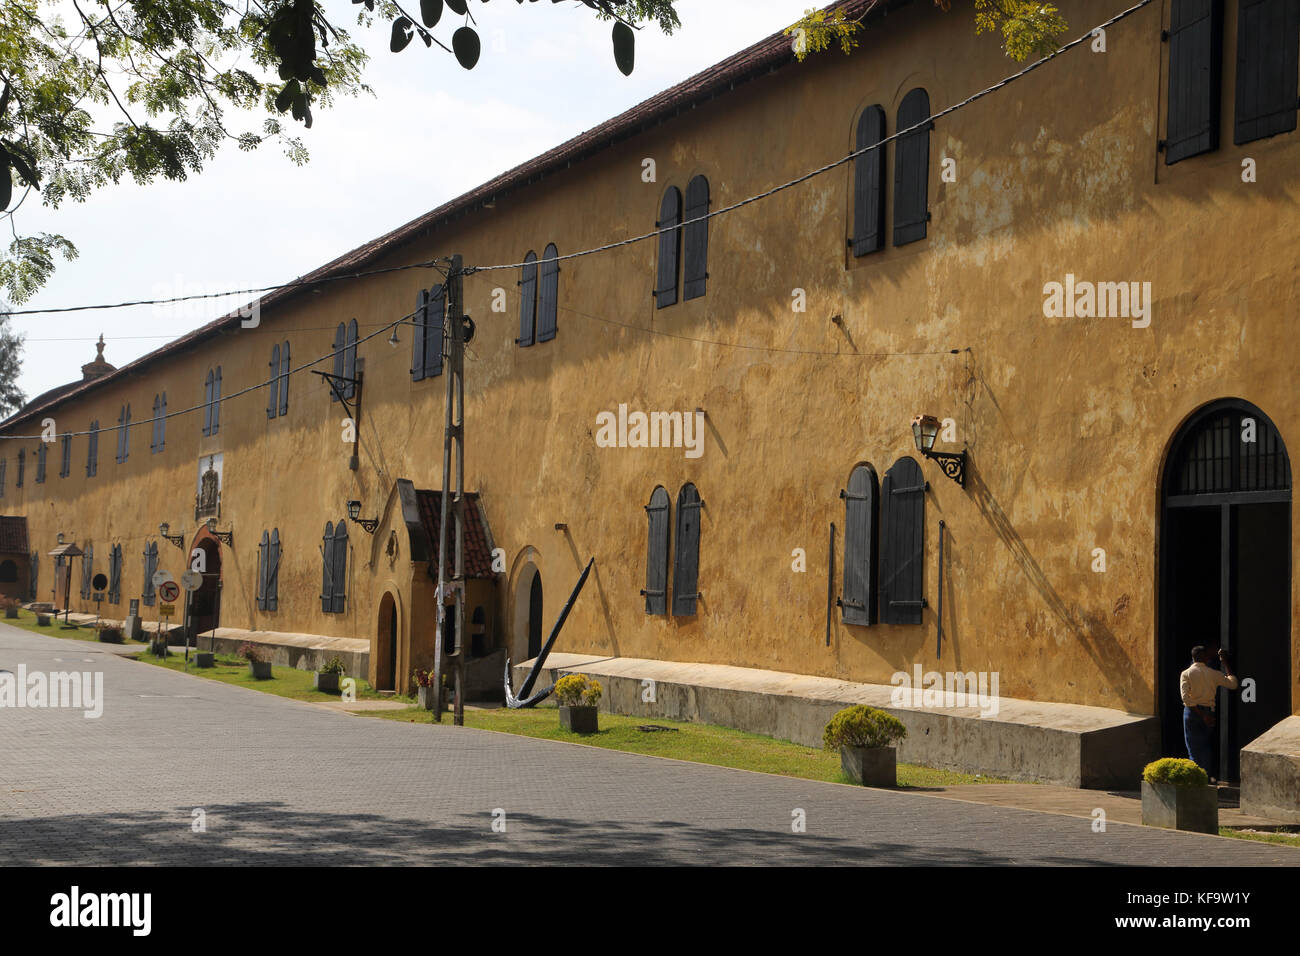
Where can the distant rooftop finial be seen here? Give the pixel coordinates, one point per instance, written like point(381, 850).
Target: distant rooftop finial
point(99, 348)
point(99, 367)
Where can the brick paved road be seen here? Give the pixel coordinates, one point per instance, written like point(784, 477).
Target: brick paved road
point(284, 782)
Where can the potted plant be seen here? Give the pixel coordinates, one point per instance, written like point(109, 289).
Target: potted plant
point(424, 687)
point(109, 633)
point(43, 620)
point(158, 645)
point(578, 696)
point(11, 607)
point(204, 659)
point(328, 677)
point(259, 668)
point(865, 738)
point(1176, 794)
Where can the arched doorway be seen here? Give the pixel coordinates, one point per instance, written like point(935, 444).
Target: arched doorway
point(527, 626)
point(535, 616)
point(1225, 571)
point(205, 603)
point(386, 645)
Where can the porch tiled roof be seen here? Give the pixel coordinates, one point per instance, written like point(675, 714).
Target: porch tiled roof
point(478, 550)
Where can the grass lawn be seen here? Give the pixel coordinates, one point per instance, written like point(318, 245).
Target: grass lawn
point(1286, 836)
point(27, 621)
point(285, 682)
point(699, 743)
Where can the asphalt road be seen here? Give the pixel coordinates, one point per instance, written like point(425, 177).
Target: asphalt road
point(282, 782)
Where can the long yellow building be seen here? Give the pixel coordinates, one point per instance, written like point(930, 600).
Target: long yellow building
point(1084, 276)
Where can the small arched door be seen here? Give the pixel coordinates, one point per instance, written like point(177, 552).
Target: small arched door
point(1225, 572)
point(205, 603)
point(535, 616)
point(386, 645)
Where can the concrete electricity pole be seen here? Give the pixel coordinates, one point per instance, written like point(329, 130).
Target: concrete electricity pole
point(453, 434)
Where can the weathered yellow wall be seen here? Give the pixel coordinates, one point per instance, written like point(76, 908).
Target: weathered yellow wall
point(1067, 420)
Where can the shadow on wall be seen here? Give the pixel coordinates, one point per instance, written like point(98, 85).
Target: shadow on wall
point(1090, 631)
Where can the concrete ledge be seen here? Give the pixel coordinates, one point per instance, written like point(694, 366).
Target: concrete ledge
point(1066, 744)
point(306, 652)
point(1270, 773)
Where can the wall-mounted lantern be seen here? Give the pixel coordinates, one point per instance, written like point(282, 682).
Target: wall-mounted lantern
point(225, 537)
point(60, 537)
point(925, 429)
point(176, 539)
point(354, 512)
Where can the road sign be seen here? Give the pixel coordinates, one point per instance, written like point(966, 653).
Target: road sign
point(168, 591)
point(166, 610)
point(191, 580)
point(99, 581)
point(161, 577)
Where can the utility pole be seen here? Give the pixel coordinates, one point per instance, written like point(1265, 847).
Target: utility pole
point(453, 435)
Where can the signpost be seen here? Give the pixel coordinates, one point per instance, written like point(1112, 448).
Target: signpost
point(192, 580)
point(98, 582)
point(167, 591)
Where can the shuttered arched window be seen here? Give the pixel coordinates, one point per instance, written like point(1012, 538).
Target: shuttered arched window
point(433, 331)
point(35, 573)
point(263, 554)
point(87, 570)
point(902, 543)
point(65, 458)
point(40, 463)
point(1268, 53)
point(327, 568)
point(150, 566)
point(1195, 58)
point(340, 352)
point(284, 379)
point(350, 360)
point(123, 433)
point(92, 453)
point(548, 294)
point(528, 301)
point(273, 391)
point(860, 503)
point(4, 466)
point(159, 440)
point(22, 466)
point(670, 247)
point(868, 184)
point(912, 169)
point(216, 402)
point(273, 572)
point(686, 567)
point(658, 513)
point(695, 239)
point(115, 575)
point(334, 548)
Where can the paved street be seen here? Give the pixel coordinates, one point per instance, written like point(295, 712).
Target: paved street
point(283, 782)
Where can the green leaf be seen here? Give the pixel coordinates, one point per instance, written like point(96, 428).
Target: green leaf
point(402, 33)
point(624, 48)
point(465, 44)
point(430, 12)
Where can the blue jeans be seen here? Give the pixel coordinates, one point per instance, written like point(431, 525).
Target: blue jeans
point(1197, 737)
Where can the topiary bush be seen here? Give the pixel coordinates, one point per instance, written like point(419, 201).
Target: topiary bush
point(1179, 771)
point(576, 690)
point(862, 726)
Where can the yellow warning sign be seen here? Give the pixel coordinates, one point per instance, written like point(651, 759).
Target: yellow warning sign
point(166, 610)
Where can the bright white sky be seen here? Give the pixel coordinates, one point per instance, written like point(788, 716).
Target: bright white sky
point(546, 74)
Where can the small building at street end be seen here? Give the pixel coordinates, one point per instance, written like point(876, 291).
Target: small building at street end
point(1081, 283)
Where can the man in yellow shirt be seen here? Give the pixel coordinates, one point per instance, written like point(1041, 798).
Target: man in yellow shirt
point(1199, 685)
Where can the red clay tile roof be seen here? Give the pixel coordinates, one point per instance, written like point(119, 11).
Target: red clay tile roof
point(478, 549)
point(13, 534)
point(765, 56)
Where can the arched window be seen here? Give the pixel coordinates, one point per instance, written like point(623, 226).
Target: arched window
point(22, 466)
point(656, 564)
point(695, 239)
point(35, 573)
point(158, 439)
point(868, 184)
point(115, 574)
point(548, 294)
point(92, 453)
point(123, 433)
point(528, 301)
point(426, 349)
point(65, 458)
point(860, 503)
point(8, 572)
point(912, 169)
point(670, 246)
point(686, 567)
point(87, 570)
point(1229, 450)
point(902, 543)
point(207, 402)
point(284, 379)
point(40, 463)
point(150, 567)
point(334, 548)
point(273, 392)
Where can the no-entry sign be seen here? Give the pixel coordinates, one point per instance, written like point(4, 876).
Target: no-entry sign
point(169, 591)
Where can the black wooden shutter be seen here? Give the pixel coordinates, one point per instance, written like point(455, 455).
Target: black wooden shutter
point(22, 466)
point(433, 334)
point(656, 564)
point(528, 300)
point(284, 379)
point(350, 360)
point(340, 347)
point(126, 434)
point(1268, 45)
point(207, 403)
point(670, 247)
point(695, 239)
point(273, 393)
point(686, 567)
point(902, 543)
point(150, 566)
point(121, 434)
point(548, 294)
point(859, 600)
point(327, 565)
point(40, 463)
point(162, 424)
point(868, 181)
point(1195, 62)
point(417, 340)
point(35, 572)
point(340, 587)
point(912, 169)
point(87, 570)
point(263, 563)
point(115, 575)
point(65, 462)
point(4, 465)
point(153, 434)
point(216, 402)
point(273, 574)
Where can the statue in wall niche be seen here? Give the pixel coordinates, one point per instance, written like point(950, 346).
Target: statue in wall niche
point(391, 550)
point(208, 500)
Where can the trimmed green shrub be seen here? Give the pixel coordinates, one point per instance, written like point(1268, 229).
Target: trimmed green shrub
point(1179, 771)
point(862, 726)
point(332, 666)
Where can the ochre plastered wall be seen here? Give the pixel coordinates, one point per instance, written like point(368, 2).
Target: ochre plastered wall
point(1066, 420)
